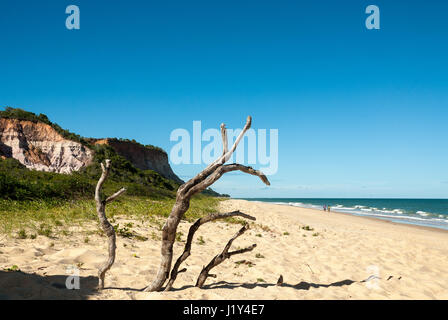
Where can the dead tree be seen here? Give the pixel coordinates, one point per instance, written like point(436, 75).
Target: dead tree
point(195, 185)
point(105, 224)
point(225, 254)
point(194, 227)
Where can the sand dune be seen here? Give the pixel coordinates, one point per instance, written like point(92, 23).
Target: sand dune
point(320, 255)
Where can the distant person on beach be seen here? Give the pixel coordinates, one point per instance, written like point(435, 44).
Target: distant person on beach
point(325, 207)
point(328, 208)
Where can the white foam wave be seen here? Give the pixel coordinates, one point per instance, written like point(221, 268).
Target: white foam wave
point(420, 217)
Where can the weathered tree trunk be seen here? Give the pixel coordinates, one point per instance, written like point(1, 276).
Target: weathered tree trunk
point(225, 254)
point(105, 224)
point(194, 227)
point(195, 185)
point(168, 238)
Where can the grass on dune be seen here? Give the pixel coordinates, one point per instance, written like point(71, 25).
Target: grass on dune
point(47, 217)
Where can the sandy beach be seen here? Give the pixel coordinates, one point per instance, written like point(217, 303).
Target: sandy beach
point(320, 255)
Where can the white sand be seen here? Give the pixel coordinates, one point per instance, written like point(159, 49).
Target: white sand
point(330, 262)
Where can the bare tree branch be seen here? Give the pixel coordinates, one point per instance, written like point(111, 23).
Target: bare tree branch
point(99, 185)
point(227, 156)
point(225, 254)
point(225, 146)
point(194, 227)
point(218, 162)
point(116, 195)
point(105, 224)
point(195, 185)
point(224, 169)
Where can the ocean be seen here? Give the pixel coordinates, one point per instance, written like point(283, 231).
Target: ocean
point(422, 212)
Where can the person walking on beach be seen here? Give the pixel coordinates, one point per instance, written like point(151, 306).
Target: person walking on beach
point(328, 208)
point(325, 207)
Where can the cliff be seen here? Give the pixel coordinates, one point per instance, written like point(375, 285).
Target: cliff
point(143, 157)
point(41, 145)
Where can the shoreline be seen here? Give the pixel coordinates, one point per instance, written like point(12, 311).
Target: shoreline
point(384, 219)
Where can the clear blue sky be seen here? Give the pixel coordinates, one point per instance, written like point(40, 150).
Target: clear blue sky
point(360, 113)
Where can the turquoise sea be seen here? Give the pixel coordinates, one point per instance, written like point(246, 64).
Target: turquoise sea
point(423, 212)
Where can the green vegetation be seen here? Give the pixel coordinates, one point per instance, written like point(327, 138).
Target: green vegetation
point(20, 114)
point(126, 232)
point(35, 203)
point(155, 237)
point(201, 240)
point(212, 193)
point(44, 230)
point(22, 234)
point(245, 262)
point(264, 228)
point(147, 146)
point(179, 236)
point(19, 183)
point(53, 217)
point(14, 268)
point(307, 228)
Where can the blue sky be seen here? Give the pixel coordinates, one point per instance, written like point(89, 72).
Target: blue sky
point(360, 113)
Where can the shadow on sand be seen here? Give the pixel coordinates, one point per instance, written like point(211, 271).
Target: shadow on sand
point(300, 286)
point(26, 286)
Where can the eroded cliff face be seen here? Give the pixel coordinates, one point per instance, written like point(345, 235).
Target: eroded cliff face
point(143, 158)
point(38, 146)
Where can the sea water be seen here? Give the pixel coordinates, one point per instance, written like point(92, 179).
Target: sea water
point(423, 212)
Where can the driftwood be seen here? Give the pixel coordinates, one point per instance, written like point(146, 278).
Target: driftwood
point(105, 224)
point(195, 185)
point(225, 254)
point(194, 227)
